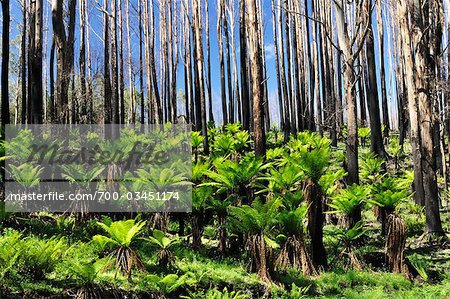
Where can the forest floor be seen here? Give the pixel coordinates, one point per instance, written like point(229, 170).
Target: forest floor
point(195, 274)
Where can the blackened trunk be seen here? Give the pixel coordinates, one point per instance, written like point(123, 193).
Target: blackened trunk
point(314, 197)
point(5, 64)
point(376, 138)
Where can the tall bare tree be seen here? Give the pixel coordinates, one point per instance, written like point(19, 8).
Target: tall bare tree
point(107, 92)
point(420, 69)
point(149, 83)
point(208, 64)
point(5, 118)
point(257, 93)
point(35, 63)
point(23, 62)
point(384, 99)
point(199, 68)
point(245, 97)
point(82, 61)
point(156, 99)
point(351, 48)
point(141, 64)
point(287, 118)
point(132, 110)
point(114, 64)
point(277, 65)
point(289, 60)
point(90, 94)
point(376, 138)
point(64, 55)
point(309, 101)
point(228, 62)
point(121, 64)
point(189, 105)
point(230, 9)
point(223, 93)
point(317, 98)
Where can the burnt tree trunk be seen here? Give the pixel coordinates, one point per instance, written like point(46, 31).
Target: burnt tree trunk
point(257, 93)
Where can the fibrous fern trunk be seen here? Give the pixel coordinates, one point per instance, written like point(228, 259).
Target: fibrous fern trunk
point(395, 244)
point(197, 229)
point(259, 255)
point(384, 214)
point(88, 292)
point(222, 234)
point(313, 195)
point(294, 254)
point(161, 221)
point(126, 258)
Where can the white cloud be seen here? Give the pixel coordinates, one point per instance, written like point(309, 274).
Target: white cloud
point(269, 51)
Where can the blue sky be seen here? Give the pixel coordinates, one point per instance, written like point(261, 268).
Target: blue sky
point(96, 22)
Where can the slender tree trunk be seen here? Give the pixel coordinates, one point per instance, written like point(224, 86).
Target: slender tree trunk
point(82, 61)
point(257, 95)
point(175, 60)
point(350, 92)
point(107, 93)
point(309, 104)
point(90, 116)
point(424, 47)
point(35, 63)
point(290, 76)
point(149, 72)
point(339, 108)
point(5, 117)
point(223, 93)
point(64, 56)
point(330, 104)
point(30, 53)
point(23, 62)
point(323, 71)
point(141, 65)
point(277, 66)
point(52, 82)
point(317, 97)
point(299, 77)
point(412, 101)
point(352, 139)
point(244, 69)
point(384, 99)
point(401, 91)
point(165, 41)
point(200, 90)
point(190, 115)
point(121, 68)
point(208, 62)
point(228, 63)
point(185, 58)
point(362, 87)
point(157, 98)
point(132, 116)
point(287, 118)
point(114, 65)
point(265, 96)
point(376, 138)
point(231, 15)
point(5, 68)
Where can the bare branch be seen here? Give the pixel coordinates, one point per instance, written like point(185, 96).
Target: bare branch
point(318, 22)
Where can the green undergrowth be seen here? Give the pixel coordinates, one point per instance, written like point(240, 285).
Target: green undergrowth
point(40, 266)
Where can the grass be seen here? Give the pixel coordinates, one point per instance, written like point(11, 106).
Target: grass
point(193, 273)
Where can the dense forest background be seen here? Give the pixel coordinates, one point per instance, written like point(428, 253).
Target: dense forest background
point(325, 66)
point(253, 78)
